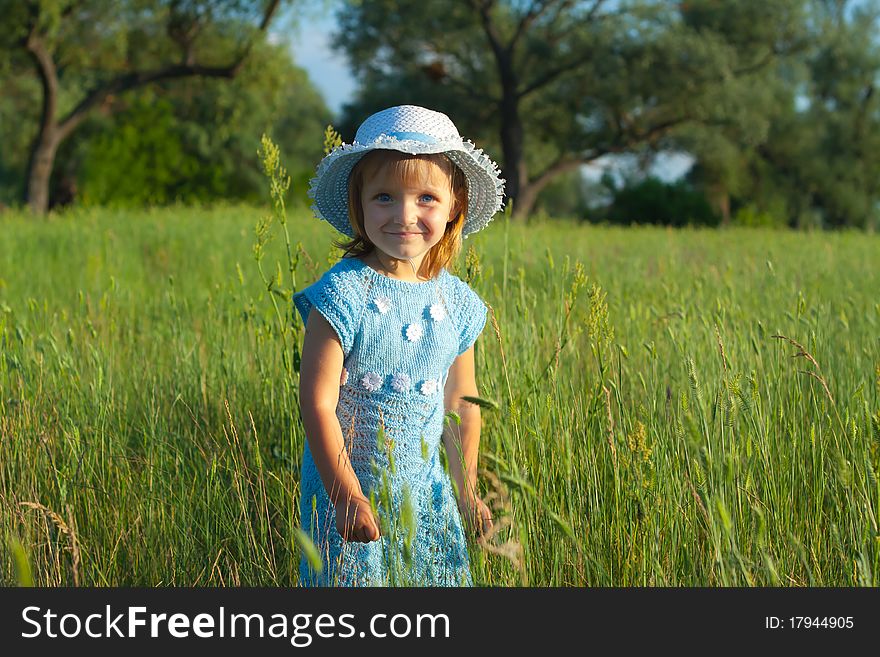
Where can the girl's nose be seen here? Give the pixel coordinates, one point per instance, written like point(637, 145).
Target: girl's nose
point(408, 212)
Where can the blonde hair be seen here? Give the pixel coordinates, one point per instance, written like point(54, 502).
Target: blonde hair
point(412, 169)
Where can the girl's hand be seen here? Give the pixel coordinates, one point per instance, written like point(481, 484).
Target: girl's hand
point(355, 520)
point(476, 514)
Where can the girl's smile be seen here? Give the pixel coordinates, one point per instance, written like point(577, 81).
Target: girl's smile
point(404, 219)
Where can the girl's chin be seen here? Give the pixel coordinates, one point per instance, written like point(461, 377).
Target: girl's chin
point(403, 254)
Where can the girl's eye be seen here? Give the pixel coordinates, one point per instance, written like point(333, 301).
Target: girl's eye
point(383, 197)
point(427, 198)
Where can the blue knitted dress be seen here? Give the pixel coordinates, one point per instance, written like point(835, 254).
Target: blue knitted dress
point(399, 340)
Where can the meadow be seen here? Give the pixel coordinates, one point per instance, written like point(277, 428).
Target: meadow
point(674, 407)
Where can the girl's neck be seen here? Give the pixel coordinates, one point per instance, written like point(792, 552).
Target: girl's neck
point(402, 270)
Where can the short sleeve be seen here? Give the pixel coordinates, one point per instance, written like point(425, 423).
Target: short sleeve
point(471, 313)
point(338, 298)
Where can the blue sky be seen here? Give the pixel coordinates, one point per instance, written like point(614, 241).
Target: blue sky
point(328, 70)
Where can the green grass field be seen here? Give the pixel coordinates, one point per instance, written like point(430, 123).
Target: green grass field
point(651, 429)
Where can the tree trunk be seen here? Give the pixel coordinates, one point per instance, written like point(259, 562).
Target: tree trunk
point(529, 190)
point(724, 207)
point(39, 173)
point(720, 201)
point(525, 201)
point(46, 142)
point(515, 175)
point(512, 150)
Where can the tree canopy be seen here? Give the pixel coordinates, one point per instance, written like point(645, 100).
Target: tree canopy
point(550, 85)
point(811, 161)
point(67, 60)
point(773, 98)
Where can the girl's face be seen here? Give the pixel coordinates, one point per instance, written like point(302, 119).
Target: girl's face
point(405, 219)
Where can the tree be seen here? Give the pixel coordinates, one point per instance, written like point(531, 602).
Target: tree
point(195, 139)
point(111, 47)
point(812, 157)
point(556, 84)
point(829, 143)
point(651, 201)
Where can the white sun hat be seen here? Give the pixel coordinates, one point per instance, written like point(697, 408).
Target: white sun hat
point(415, 130)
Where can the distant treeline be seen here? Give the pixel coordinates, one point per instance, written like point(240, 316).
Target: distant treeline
point(773, 99)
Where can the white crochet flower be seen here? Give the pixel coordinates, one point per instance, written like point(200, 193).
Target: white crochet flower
point(438, 312)
point(413, 332)
point(401, 382)
point(344, 378)
point(371, 381)
point(429, 387)
point(383, 304)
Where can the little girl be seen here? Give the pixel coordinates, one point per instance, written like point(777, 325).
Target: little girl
point(389, 351)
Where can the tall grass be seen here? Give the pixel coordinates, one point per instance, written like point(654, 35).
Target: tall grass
point(650, 430)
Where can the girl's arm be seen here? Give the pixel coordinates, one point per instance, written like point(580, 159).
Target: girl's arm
point(320, 372)
point(462, 441)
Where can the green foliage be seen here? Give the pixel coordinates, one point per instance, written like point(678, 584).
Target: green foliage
point(839, 131)
point(583, 76)
point(187, 139)
point(196, 140)
point(652, 201)
point(141, 161)
point(332, 139)
point(751, 216)
point(810, 159)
